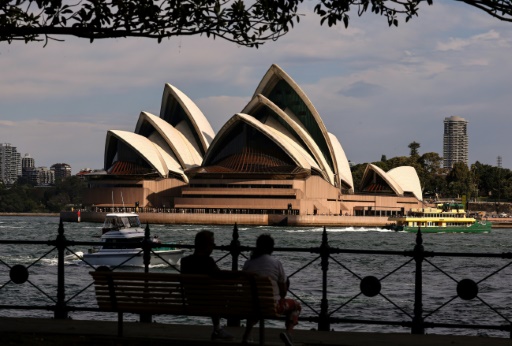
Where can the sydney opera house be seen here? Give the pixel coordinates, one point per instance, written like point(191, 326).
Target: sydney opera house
point(274, 157)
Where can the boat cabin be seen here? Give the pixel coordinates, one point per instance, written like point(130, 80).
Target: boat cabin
point(115, 222)
point(444, 215)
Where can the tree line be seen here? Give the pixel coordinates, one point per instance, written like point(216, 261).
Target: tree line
point(24, 197)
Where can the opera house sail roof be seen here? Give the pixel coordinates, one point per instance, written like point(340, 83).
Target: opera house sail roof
point(245, 145)
point(305, 122)
point(399, 181)
point(278, 135)
point(162, 146)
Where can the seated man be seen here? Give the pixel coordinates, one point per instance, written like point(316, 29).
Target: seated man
point(200, 262)
point(262, 263)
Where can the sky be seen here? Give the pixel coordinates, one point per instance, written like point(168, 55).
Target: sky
point(376, 88)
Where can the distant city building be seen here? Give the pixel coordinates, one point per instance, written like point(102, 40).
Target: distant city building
point(62, 170)
point(30, 174)
point(45, 176)
point(39, 176)
point(28, 171)
point(83, 173)
point(27, 162)
point(455, 141)
point(10, 164)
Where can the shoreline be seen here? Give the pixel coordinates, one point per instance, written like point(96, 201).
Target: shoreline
point(244, 219)
point(30, 214)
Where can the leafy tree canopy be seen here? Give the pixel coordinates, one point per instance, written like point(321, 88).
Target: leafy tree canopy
point(247, 23)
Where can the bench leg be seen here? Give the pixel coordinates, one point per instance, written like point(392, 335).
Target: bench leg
point(262, 332)
point(119, 324)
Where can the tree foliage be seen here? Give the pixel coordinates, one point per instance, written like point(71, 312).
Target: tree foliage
point(247, 23)
point(23, 197)
point(414, 146)
point(459, 180)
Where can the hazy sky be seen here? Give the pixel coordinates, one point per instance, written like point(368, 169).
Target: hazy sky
point(376, 88)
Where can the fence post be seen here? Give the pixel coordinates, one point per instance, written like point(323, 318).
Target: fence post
point(417, 321)
point(61, 311)
point(235, 254)
point(323, 323)
point(146, 247)
point(235, 249)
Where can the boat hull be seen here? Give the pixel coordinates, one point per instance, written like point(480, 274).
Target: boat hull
point(114, 258)
point(477, 227)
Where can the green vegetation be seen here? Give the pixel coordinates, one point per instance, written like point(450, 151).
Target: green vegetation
point(23, 197)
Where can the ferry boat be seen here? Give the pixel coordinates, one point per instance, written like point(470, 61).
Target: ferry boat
point(122, 237)
point(445, 217)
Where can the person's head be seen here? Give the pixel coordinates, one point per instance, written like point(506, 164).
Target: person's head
point(264, 245)
point(204, 242)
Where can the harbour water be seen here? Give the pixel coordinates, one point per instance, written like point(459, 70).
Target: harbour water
point(396, 272)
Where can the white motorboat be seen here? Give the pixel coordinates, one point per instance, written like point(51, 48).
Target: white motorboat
point(122, 244)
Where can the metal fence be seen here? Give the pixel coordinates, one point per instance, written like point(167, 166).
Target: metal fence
point(323, 305)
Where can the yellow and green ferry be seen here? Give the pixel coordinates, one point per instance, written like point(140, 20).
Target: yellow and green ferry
point(445, 217)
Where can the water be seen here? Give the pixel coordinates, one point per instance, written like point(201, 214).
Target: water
point(440, 275)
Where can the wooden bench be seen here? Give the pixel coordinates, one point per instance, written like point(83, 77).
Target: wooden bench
point(226, 294)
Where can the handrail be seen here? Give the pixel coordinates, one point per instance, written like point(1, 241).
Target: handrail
point(369, 286)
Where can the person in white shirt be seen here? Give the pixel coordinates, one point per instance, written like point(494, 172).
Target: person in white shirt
point(263, 263)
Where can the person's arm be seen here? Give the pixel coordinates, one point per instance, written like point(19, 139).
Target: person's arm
point(283, 282)
point(283, 288)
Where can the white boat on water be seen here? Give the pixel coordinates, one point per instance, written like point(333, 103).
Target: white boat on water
point(122, 244)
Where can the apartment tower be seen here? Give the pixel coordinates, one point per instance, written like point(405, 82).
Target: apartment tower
point(10, 164)
point(455, 141)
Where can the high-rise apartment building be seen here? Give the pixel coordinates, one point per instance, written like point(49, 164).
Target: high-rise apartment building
point(455, 141)
point(39, 176)
point(10, 164)
point(62, 170)
point(27, 162)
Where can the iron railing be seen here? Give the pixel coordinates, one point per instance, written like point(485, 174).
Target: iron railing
point(413, 316)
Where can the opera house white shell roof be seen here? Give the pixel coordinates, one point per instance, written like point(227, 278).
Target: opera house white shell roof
point(400, 180)
point(165, 145)
point(290, 133)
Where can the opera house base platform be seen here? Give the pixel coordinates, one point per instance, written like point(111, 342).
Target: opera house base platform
point(240, 219)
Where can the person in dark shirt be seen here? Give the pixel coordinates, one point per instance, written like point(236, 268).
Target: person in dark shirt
point(200, 262)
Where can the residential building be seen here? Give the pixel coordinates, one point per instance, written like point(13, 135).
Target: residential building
point(62, 170)
point(27, 162)
point(10, 164)
point(455, 141)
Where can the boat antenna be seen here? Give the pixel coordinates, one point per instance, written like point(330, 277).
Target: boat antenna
point(122, 199)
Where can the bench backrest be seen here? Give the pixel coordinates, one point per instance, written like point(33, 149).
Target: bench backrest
point(228, 294)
